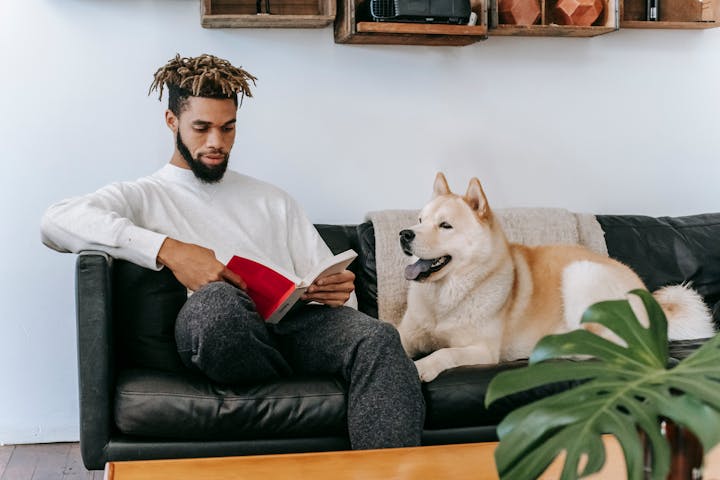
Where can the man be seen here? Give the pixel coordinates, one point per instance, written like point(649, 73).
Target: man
point(192, 216)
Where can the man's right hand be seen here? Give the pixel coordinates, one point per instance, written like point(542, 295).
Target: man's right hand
point(195, 266)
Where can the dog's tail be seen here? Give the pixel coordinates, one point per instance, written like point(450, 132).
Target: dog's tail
point(687, 315)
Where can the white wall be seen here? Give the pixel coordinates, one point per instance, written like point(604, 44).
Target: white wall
point(622, 123)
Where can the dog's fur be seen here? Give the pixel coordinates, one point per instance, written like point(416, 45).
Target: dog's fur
point(486, 300)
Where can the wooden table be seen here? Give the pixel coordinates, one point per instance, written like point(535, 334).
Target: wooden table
point(453, 462)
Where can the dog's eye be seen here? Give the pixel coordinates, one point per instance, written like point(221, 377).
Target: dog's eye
point(419, 220)
point(446, 226)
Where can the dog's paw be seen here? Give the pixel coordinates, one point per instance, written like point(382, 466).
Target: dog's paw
point(428, 369)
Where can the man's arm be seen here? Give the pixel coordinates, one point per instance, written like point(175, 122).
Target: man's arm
point(103, 221)
point(195, 266)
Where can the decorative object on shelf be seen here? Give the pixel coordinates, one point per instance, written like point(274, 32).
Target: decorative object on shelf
point(518, 12)
point(493, 14)
point(262, 6)
point(355, 24)
point(577, 12)
point(620, 391)
point(260, 13)
point(652, 11)
point(455, 12)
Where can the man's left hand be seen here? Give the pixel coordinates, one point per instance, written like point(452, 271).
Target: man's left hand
point(332, 290)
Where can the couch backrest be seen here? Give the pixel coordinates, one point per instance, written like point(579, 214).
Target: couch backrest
point(146, 302)
point(669, 250)
point(662, 250)
point(360, 238)
point(145, 305)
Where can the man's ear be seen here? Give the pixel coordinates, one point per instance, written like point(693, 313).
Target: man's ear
point(171, 120)
point(475, 197)
point(440, 187)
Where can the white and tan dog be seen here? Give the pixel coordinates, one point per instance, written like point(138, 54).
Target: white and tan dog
point(475, 298)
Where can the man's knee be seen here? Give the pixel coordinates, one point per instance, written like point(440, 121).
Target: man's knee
point(385, 333)
point(381, 340)
point(213, 321)
point(219, 296)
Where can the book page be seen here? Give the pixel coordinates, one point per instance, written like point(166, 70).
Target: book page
point(332, 265)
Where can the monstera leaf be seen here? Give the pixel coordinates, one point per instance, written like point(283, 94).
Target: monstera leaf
point(621, 391)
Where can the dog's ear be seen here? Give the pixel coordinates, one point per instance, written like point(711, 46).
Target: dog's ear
point(476, 198)
point(440, 187)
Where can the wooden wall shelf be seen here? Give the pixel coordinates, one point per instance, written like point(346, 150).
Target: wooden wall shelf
point(549, 31)
point(354, 25)
point(283, 13)
point(608, 22)
point(668, 25)
point(415, 34)
point(673, 14)
point(422, 29)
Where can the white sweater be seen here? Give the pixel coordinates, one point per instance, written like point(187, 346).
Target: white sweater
point(237, 216)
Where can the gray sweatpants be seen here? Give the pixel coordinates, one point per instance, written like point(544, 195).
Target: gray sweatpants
point(219, 332)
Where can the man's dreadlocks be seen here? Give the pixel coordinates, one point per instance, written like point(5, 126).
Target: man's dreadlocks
point(203, 76)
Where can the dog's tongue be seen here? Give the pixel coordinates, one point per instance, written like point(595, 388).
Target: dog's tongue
point(414, 270)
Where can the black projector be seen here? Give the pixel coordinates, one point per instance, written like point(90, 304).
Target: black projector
point(421, 11)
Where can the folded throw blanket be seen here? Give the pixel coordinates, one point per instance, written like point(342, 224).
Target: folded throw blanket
point(529, 226)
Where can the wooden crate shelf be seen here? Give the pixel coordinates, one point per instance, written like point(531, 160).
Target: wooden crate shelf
point(421, 28)
point(549, 31)
point(668, 25)
point(283, 13)
point(353, 25)
point(608, 22)
point(674, 14)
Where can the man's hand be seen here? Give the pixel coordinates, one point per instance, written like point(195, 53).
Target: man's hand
point(332, 290)
point(195, 266)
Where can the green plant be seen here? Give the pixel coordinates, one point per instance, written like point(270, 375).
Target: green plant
point(622, 390)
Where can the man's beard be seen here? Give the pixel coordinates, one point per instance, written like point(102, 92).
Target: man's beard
point(205, 173)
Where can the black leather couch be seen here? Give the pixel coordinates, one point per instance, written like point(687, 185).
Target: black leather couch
point(137, 401)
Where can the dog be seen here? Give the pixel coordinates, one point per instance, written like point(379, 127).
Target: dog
point(475, 298)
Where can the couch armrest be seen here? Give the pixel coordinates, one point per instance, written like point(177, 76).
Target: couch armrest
point(93, 295)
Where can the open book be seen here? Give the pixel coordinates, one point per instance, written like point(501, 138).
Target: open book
point(275, 292)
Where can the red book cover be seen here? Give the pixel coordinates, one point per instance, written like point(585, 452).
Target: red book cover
point(274, 293)
point(268, 288)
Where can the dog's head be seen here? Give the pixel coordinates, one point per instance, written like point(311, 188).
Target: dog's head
point(453, 232)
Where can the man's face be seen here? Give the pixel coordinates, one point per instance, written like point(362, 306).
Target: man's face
point(205, 133)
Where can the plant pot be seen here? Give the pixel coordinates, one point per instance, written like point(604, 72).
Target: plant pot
point(685, 449)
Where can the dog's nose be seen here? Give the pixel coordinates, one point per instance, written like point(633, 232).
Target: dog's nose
point(407, 236)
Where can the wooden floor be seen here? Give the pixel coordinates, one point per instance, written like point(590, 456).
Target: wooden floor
point(51, 461)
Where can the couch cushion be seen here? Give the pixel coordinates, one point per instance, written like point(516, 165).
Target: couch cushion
point(186, 406)
point(456, 398)
point(669, 250)
point(145, 305)
point(170, 405)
